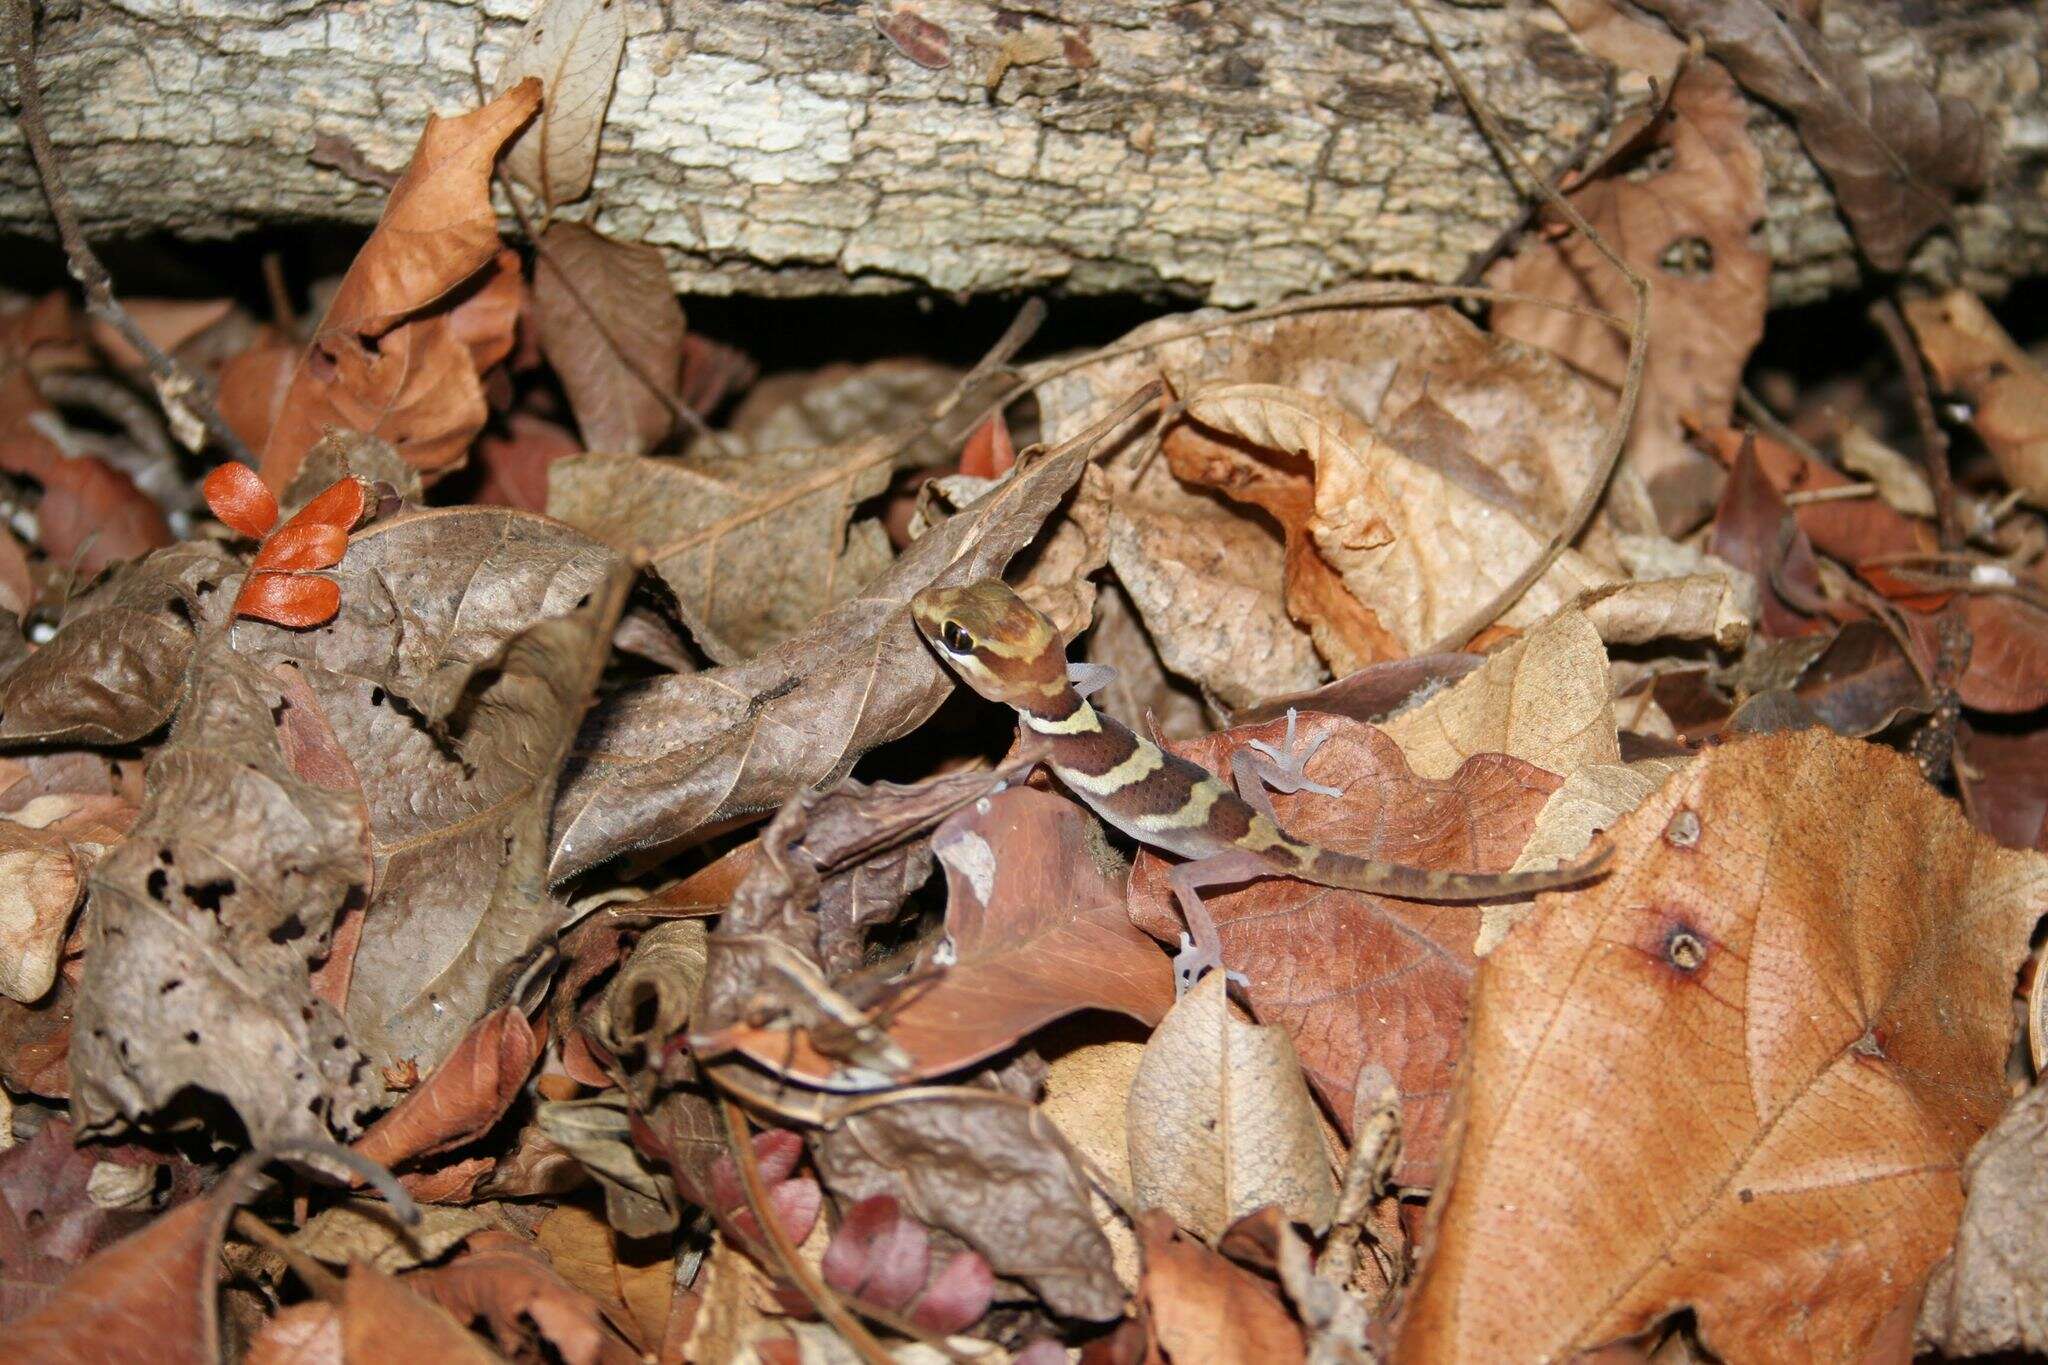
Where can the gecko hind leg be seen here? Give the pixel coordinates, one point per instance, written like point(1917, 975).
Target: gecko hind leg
point(1201, 948)
point(1283, 769)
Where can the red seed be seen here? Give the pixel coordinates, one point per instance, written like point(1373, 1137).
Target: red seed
point(286, 599)
point(341, 505)
point(240, 499)
point(300, 547)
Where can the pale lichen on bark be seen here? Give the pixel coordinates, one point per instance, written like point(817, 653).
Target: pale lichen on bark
point(1218, 151)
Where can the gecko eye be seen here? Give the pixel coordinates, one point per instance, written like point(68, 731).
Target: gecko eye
point(956, 638)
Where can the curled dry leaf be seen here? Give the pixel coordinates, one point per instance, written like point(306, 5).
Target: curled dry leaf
point(46, 848)
point(508, 1284)
point(1205, 579)
point(1221, 1122)
point(1682, 195)
point(638, 1200)
point(754, 547)
point(1544, 698)
point(1990, 1296)
point(1970, 354)
point(573, 47)
point(462, 1098)
point(1359, 980)
point(608, 317)
point(115, 668)
point(1785, 1012)
point(1897, 153)
point(664, 760)
point(205, 921)
point(1028, 1213)
point(380, 363)
point(1204, 1308)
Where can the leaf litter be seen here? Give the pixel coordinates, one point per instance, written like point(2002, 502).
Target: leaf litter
point(528, 805)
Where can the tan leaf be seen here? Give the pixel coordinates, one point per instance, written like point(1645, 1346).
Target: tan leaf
point(1692, 607)
point(839, 404)
point(1142, 691)
point(501, 1279)
point(1420, 550)
point(1544, 698)
point(382, 1319)
point(1221, 1121)
point(608, 316)
point(1087, 1097)
point(1739, 1074)
point(1205, 578)
point(754, 547)
point(1686, 225)
point(574, 47)
point(368, 1231)
point(1970, 354)
point(1362, 981)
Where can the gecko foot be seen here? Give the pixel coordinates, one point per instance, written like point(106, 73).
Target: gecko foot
point(1192, 963)
point(1285, 774)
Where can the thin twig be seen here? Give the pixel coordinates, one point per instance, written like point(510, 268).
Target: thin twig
point(1841, 492)
point(1476, 268)
point(821, 1298)
point(182, 395)
point(1768, 422)
point(1632, 384)
point(324, 1283)
point(1933, 441)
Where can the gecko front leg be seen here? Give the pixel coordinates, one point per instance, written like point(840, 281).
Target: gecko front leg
point(1258, 765)
point(1088, 679)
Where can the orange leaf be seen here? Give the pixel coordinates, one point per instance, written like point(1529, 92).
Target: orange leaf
point(298, 548)
point(468, 1092)
point(253, 386)
point(242, 501)
point(989, 452)
point(339, 505)
point(1738, 1075)
point(287, 599)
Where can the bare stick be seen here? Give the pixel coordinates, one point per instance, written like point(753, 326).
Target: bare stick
point(191, 409)
point(1933, 441)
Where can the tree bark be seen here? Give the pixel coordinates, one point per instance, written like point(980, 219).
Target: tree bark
point(1220, 150)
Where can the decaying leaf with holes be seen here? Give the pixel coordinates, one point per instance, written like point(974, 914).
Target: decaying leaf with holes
point(1736, 1076)
point(204, 923)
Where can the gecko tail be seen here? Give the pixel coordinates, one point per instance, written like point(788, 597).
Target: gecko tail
point(1330, 868)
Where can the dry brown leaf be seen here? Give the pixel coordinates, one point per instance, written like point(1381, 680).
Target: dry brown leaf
point(1970, 354)
point(662, 761)
point(302, 1334)
point(382, 1319)
point(515, 465)
point(1693, 607)
point(1221, 1122)
point(839, 404)
point(573, 47)
point(607, 316)
point(1028, 1213)
point(92, 515)
point(633, 1286)
point(1897, 153)
point(1205, 578)
point(754, 547)
point(49, 1220)
point(46, 848)
point(367, 1230)
point(1739, 1074)
point(1357, 980)
point(509, 1284)
point(1056, 573)
point(376, 367)
point(1203, 1308)
point(1087, 1097)
point(1687, 223)
point(1544, 698)
point(1142, 689)
point(2008, 670)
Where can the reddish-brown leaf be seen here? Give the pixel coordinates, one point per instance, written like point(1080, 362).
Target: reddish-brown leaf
point(511, 1286)
point(467, 1094)
point(989, 452)
point(93, 515)
point(341, 504)
point(1754, 531)
point(1359, 980)
point(253, 386)
point(1204, 1308)
point(240, 500)
point(515, 465)
point(286, 599)
point(2008, 669)
point(382, 1319)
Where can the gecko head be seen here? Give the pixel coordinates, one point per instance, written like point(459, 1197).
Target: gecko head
point(999, 644)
